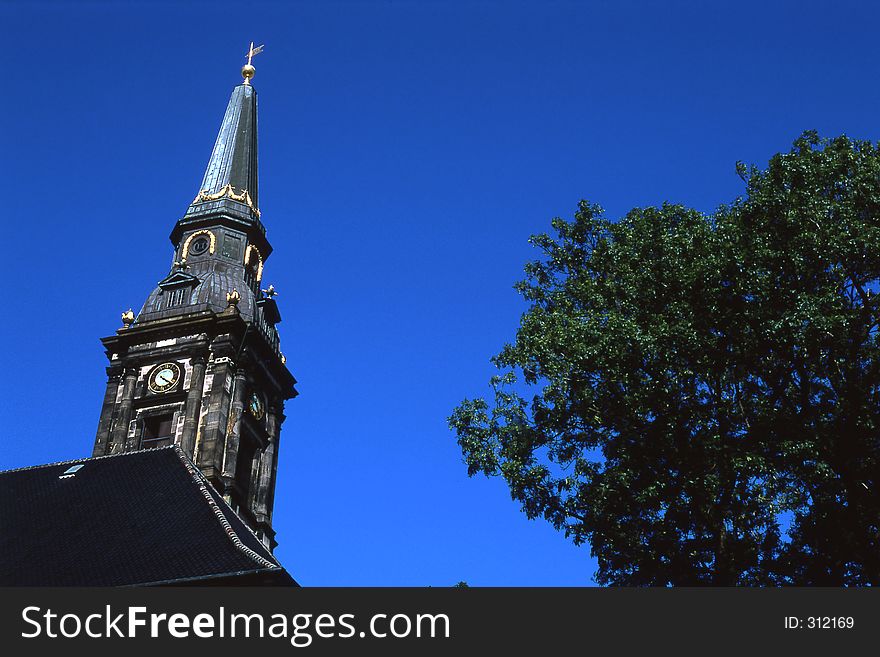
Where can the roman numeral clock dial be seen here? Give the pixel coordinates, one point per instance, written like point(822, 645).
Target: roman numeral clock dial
point(164, 377)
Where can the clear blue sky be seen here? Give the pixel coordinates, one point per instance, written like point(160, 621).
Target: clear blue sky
point(407, 151)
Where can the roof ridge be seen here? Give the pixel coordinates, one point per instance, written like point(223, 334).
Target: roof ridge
point(86, 458)
point(203, 483)
point(198, 578)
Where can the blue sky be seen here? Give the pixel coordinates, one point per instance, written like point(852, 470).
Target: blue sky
point(407, 152)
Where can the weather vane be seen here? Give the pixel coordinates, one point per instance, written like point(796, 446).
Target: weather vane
point(247, 71)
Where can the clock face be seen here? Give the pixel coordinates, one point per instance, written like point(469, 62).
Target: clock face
point(164, 377)
point(199, 246)
point(255, 406)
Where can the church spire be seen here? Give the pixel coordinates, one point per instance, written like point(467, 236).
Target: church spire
point(232, 168)
point(200, 366)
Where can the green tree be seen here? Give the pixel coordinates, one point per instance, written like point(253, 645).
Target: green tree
point(698, 397)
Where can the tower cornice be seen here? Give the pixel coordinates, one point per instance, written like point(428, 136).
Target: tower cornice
point(243, 343)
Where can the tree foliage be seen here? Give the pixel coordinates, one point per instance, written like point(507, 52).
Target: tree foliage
point(698, 397)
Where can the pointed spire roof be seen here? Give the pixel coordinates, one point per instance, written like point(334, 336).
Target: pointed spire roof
point(228, 194)
point(232, 168)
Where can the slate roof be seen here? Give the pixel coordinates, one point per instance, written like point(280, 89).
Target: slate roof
point(141, 518)
point(211, 285)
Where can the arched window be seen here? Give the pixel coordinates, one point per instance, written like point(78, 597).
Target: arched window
point(199, 242)
point(253, 267)
point(254, 259)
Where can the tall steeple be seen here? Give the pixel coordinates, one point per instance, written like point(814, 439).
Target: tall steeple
point(232, 169)
point(200, 365)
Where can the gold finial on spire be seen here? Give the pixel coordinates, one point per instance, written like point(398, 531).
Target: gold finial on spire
point(247, 71)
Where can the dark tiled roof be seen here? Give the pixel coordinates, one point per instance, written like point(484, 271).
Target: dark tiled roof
point(145, 517)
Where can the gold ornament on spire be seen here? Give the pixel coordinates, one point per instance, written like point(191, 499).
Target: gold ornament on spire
point(247, 71)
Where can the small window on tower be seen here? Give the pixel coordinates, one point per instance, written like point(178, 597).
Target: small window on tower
point(176, 297)
point(158, 431)
point(250, 276)
point(231, 247)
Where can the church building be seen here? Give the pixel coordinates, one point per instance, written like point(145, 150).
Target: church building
point(181, 483)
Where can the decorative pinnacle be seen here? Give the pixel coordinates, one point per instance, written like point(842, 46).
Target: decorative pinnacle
point(127, 318)
point(232, 298)
point(247, 71)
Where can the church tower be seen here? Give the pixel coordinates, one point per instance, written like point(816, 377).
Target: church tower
point(200, 365)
